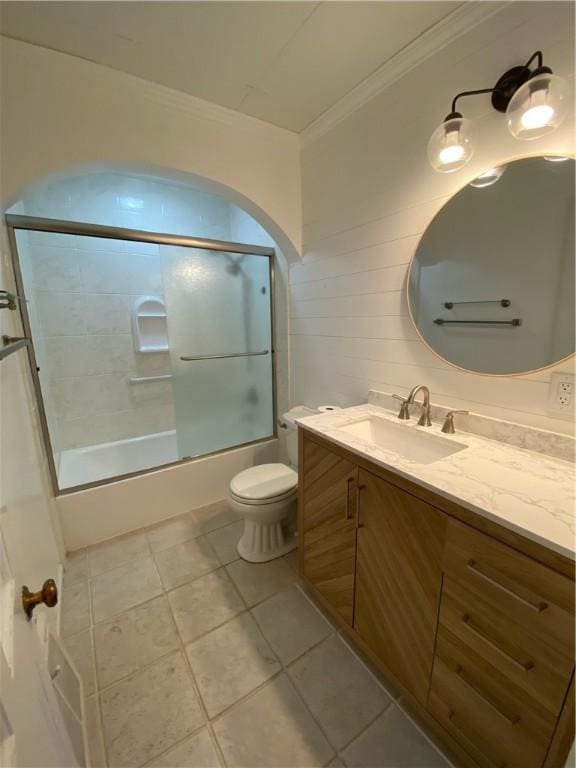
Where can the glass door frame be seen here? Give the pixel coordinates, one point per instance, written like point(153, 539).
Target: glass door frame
point(15, 222)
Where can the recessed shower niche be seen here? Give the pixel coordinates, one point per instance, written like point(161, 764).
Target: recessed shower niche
point(149, 325)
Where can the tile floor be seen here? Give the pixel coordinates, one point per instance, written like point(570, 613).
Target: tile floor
point(193, 658)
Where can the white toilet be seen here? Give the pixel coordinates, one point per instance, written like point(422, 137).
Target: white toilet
point(265, 498)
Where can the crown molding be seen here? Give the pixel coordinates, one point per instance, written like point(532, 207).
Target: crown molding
point(463, 19)
point(200, 108)
point(162, 95)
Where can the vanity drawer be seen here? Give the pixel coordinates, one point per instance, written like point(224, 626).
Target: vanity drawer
point(491, 719)
point(528, 592)
point(524, 658)
point(486, 714)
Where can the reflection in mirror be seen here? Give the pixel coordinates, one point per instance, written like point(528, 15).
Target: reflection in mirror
point(491, 286)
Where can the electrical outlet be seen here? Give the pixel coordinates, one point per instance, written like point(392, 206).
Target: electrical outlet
point(561, 394)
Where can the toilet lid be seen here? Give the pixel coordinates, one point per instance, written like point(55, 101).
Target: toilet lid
point(264, 481)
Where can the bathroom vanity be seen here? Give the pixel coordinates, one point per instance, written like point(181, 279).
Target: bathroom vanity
point(449, 560)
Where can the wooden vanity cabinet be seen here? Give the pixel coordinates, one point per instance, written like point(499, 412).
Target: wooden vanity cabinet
point(473, 623)
point(504, 654)
point(328, 520)
point(398, 579)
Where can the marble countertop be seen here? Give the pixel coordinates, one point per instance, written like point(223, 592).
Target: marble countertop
point(528, 492)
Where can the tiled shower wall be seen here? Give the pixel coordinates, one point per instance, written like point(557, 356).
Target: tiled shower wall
point(84, 289)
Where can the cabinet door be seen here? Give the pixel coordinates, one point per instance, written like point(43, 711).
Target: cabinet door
point(328, 507)
point(398, 580)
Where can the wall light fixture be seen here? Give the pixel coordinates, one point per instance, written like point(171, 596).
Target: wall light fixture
point(535, 102)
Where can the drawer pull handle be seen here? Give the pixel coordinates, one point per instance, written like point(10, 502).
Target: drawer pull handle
point(348, 482)
point(511, 720)
point(526, 666)
point(473, 566)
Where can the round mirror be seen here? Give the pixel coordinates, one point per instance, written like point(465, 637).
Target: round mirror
point(491, 285)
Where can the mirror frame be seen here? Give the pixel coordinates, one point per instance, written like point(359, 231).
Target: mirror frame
point(552, 153)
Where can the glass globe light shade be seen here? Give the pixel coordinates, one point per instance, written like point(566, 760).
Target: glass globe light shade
point(488, 178)
point(538, 107)
point(451, 145)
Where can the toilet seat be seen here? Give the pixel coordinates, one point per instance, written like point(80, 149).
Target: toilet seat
point(264, 483)
point(262, 502)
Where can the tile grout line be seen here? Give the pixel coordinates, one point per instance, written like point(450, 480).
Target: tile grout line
point(182, 648)
point(247, 611)
point(337, 751)
point(394, 700)
point(103, 743)
point(423, 733)
point(283, 668)
point(191, 735)
point(390, 705)
point(195, 686)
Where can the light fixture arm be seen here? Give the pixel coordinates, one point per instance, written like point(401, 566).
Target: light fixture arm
point(506, 86)
point(453, 112)
point(537, 55)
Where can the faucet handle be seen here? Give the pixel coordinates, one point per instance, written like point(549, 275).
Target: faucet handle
point(448, 426)
point(404, 412)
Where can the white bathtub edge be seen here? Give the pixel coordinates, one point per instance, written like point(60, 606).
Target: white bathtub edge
point(97, 514)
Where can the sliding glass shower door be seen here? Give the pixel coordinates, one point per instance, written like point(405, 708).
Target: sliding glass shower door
point(147, 349)
point(220, 330)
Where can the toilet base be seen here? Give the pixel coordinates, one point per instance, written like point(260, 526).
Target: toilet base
point(262, 542)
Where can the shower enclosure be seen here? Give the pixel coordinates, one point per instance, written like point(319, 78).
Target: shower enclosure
point(148, 349)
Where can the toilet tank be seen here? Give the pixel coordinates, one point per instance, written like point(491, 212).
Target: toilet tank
point(288, 419)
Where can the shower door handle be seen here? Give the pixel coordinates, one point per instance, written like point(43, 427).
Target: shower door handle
point(192, 358)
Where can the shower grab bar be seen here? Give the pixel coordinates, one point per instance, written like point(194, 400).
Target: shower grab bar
point(142, 379)
point(190, 359)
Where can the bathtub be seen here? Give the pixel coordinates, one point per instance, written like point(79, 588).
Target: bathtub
point(91, 515)
point(78, 466)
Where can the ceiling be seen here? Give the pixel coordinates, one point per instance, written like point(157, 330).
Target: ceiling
point(283, 62)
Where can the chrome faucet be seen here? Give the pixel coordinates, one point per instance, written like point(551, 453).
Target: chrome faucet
point(424, 420)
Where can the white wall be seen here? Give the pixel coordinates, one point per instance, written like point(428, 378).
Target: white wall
point(368, 195)
point(59, 111)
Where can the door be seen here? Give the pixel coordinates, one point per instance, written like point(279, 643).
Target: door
point(219, 314)
point(399, 579)
point(328, 525)
point(33, 730)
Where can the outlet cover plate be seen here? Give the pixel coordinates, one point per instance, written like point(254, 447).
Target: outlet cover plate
point(561, 395)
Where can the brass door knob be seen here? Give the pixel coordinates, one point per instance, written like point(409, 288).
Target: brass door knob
point(47, 595)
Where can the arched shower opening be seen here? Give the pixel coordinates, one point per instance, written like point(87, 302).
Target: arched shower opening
point(150, 301)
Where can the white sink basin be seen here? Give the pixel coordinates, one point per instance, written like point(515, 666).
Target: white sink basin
point(413, 443)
